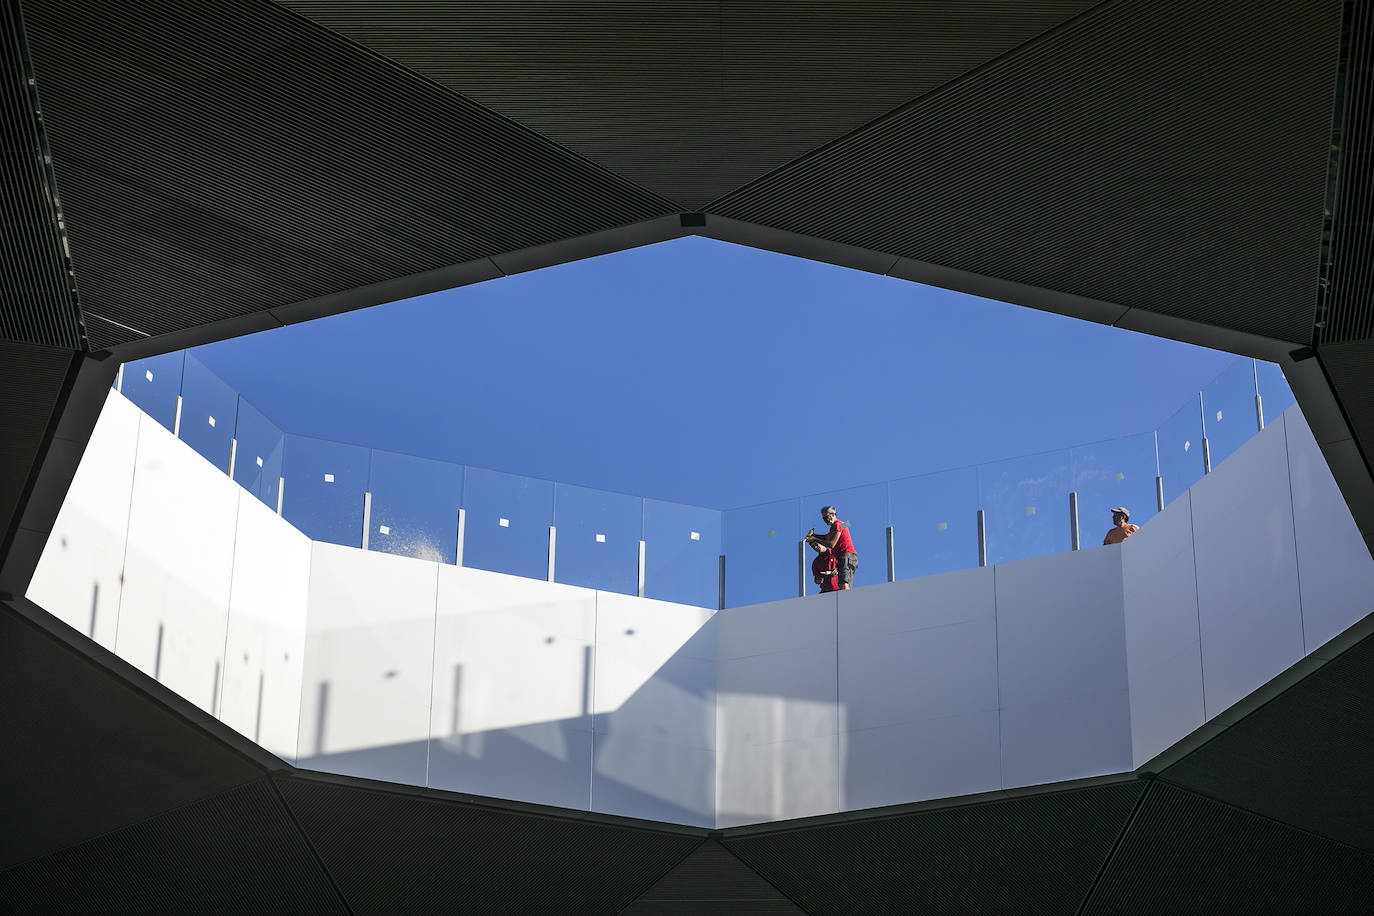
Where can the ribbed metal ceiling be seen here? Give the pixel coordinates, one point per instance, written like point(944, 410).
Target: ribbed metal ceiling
point(691, 100)
point(1165, 154)
point(712, 881)
point(1038, 854)
point(36, 300)
point(31, 380)
point(220, 160)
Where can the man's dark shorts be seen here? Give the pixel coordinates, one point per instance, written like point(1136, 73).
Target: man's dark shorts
point(847, 563)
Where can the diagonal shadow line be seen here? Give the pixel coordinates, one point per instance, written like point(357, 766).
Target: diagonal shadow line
point(911, 104)
point(309, 844)
point(1116, 847)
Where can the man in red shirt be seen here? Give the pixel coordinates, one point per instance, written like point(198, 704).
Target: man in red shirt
point(837, 540)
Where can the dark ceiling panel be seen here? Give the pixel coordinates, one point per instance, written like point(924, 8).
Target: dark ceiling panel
point(1037, 854)
point(221, 160)
point(1305, 757)
point(31, 381)
point(1350, 368)
point(235, 853)
point(708, 881)
point(83, 751)
point(399, 853)
point(1163, 154)
point(691, 99)
point(36, 300)
point(1186, 854)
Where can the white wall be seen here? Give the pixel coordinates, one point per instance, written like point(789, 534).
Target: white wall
point(79, 574)
point(178, 565)
point(392, 668)
point(264, 647)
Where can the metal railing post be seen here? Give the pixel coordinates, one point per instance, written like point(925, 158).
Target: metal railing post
point(1206, 452)
point(281, 491)
point(553, 543)
point(801, 569)
point(1159, 494)
point(367, 517)
point(640, 592)
point(233, 455)
point(176, 421)
point(720, 582)
point(891, 557)
point(462, 527)
point(1259, 402)
point(1073, 520)
point(982, 539)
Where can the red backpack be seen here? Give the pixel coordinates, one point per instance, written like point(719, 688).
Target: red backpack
point(825, 571)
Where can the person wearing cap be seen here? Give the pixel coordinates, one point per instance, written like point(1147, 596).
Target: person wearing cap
point(839, 541)
point(1121, 518)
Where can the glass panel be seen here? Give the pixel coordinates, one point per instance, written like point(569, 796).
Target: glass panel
point(598, 538)
point(325, 482)
point(1275, 394)
point(1180, 450)
point(1025, 502)
point(682, 553)
point(508, 518)
point(415, 506)
point(864, 510)
point(761, 552)
point(1228, 404)
point(258, 465)
point(208, 413)
point(1118, 472)
point(935, 522)
point(153, 384)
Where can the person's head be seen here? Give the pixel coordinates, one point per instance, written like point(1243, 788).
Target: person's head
point(1120, 516)
point(828, 514)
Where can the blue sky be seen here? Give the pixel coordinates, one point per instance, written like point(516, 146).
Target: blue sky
point(710, 374)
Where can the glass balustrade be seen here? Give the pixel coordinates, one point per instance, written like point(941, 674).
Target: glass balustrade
point(525, 526)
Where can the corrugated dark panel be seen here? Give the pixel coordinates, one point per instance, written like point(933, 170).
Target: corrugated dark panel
point(711, 880)
point(234, 853)
point(1305, 758)
point(31, 380)
point(690, 99)
point(36, 303)
point(84, 752)
point(1186, 854)
point(1164, 154)
point(1350, 366)
point(398, 853)
point(1037, 854)
point(1350, 297)
point(219, 160)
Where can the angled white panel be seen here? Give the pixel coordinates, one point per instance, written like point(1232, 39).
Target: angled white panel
point(78, 576)
point(1061, 630)
point(639, 776)
point(1335, 570)
point(175, 602)
point(918, 649)
point(756, 783)
point(514, 675)
point(932, 758)
point(264, 656)
point(1247, 570)
point(369, 657)
point(1163, 649)
point(781, 696)
point(773, 626)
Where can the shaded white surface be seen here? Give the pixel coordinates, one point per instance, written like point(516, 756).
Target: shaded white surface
point(640, 776)
point(368, 663)
point(264, 655)
point(1062, 667)
point(1335, 570)
point(1247, 571)
point(78, 578)
point(178, 566)
point(930, 758)
point(781, 696)
point(1163, 650)
point(514, 671)
point(771, 782)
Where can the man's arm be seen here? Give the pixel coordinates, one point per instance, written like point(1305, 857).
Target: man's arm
point(828, 540)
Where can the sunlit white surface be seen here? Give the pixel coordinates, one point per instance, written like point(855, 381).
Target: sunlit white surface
point(368, 663)
point(264, 654)
point(179, 561)
point(79, 575)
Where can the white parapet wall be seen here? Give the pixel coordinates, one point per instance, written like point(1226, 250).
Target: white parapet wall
point(363, 663)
